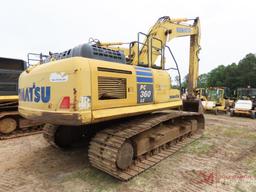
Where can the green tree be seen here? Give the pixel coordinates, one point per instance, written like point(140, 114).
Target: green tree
point(216, 77)
point(185, 82)
point(232, 76)
point(202, 80)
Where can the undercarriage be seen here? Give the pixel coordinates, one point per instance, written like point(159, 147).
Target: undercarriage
point(131, 146)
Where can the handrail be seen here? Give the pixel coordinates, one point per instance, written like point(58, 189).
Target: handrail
point(176, 63)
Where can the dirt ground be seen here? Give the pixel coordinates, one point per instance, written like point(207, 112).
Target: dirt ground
point(223, 159)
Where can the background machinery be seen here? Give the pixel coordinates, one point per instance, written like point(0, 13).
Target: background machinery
point(201, 93)
point(217, 99)
point(11, 123)
point(246, 102)
point(124, 93)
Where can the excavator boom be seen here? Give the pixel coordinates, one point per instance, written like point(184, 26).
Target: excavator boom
point(163, 31)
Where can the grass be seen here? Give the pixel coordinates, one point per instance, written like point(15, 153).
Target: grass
point(250, 163)
point(238, 189)
point(242, 133)
point(99, 181)
point(199, 147)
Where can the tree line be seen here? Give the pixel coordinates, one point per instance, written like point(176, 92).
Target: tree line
point(233, 76)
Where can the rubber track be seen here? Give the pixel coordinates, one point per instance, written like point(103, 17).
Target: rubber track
point(104, 146)
point(22, 132)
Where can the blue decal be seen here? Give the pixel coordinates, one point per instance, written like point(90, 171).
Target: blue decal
point(183, 30)
point(145, 88)
point(35, 94)
point(45, 91)
point(144, 80)
point(30, 93)
point(27, 95)
point(141, 73)
point(143, 68)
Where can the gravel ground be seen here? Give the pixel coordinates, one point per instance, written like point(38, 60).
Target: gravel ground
point(223, 159)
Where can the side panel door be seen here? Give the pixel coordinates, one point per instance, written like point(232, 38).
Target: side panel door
point(113, 85)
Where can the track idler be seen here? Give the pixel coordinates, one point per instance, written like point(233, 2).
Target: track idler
point(7, 125)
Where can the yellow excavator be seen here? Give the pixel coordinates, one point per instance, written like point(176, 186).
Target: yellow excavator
point(123, 92)
point(11, 123)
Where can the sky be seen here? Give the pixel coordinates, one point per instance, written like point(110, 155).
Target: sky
point(228, 30)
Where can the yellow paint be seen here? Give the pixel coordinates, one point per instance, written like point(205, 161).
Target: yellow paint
point(248, 112)
point(82, 83)
point(101, 115)
point(8, 98)
point(86, 71)
point(166, 29)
